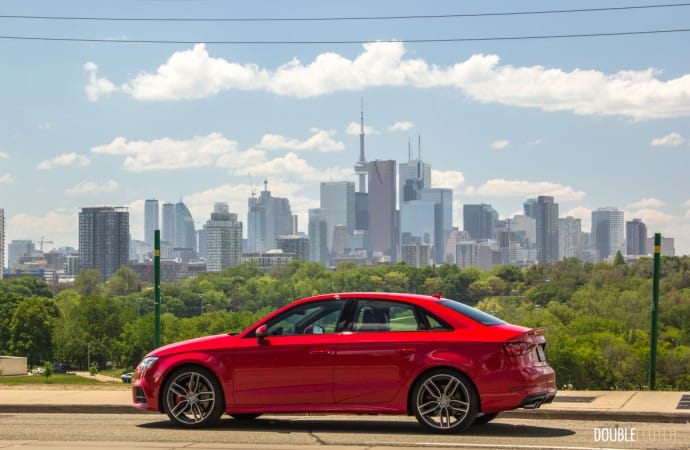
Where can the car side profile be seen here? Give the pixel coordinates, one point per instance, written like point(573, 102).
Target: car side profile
point(448, 364)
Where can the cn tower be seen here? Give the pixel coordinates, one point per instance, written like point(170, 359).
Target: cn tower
point(361, 165)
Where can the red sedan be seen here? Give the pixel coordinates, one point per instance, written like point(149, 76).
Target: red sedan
point(374, 353)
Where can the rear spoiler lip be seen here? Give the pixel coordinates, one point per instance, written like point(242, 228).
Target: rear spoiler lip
point(535, 335)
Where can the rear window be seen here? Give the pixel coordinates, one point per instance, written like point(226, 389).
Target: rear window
point(472, 313)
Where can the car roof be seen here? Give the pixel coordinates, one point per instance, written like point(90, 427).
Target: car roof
point(414, 298)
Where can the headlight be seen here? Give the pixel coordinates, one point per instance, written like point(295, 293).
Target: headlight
point(147, 362)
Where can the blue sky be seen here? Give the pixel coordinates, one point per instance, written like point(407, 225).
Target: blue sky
point(593, 121)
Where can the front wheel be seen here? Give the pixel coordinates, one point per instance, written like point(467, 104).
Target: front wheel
point(192, 397)
point(444, 401)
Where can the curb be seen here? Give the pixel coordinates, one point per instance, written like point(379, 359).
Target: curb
point(607, 415)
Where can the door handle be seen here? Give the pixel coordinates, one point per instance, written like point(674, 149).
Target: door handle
point(406, 351)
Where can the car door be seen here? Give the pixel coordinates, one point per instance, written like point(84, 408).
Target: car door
point(293, 365)
point(380, 352)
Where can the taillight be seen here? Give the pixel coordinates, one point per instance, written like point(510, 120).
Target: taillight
point(518, 348)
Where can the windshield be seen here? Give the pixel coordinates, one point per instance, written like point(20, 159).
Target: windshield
point(472, 313)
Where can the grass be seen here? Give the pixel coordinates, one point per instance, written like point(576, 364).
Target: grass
point(58, 378)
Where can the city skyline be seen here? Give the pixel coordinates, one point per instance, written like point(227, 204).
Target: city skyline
point(592, 122)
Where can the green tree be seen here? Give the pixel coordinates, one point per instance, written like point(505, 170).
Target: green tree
point(88, 282)
point(618, 260)
point(31, 329)
point(124, 281)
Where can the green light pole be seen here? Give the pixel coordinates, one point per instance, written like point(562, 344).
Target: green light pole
point(157, 286)
point(655, 312)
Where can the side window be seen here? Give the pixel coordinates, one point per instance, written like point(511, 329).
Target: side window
point(381, 315)
point(403, 318)
point(312, 318)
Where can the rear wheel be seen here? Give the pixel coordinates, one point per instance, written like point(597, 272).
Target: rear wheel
point(444, 401)
point(192, 397)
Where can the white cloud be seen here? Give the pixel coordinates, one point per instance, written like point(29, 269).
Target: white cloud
point(97, 87)
point(670, 140)
point(4, 155)
point(354, 128)
point(65, 160)
point(92, 188)
point(58, 226)
point(401, 126)
point(6, 179)
point(449, 179)
point(525, 189)
point(686, 204)
point(291, 165)
point(194, 74)
point(170, 154)
point(537, 141)
point(500, 144)
point(647, 203)
point(321, 141)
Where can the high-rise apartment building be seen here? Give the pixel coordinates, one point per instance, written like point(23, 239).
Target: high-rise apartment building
point(2, 242)
point(103, 239)
point(318, 236)
point(382, 210)
point(223, 239)
point(338, 201)
point(608, 232)
point(480, 221)
point(151, 220)
point(569, 237)
point(636, 237)
point(267, 218)
point(545, 212)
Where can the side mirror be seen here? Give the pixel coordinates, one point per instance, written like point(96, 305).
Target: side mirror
point(261, 334)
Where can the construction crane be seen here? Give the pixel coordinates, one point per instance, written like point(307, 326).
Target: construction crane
point(42, 241)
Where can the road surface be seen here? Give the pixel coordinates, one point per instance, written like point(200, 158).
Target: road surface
point(154, 431)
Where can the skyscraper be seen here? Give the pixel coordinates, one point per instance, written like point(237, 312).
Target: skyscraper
point(338, 201)
point(413, 176)
point(2, 242)
point(382, 212)
point(267, 218)
point(103, 239)
point(318, 236)
point(168, 222)
point(184, 234)
point(608, 232)
point(151, 220)
point(545, 211)
point(569, 237)
point(223, 239)
point(636, 237)
point(479, 221)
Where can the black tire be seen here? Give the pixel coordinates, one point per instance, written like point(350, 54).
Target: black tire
point(484, 419)
point(192, 397)
point(244, 417)
point(444, 401)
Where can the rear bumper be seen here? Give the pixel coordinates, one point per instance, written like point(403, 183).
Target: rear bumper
point(521, 388)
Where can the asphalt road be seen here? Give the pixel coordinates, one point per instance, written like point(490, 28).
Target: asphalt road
point(153, 431)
